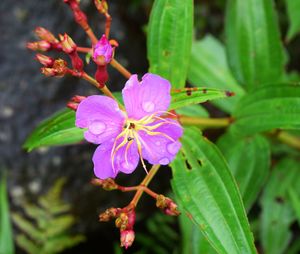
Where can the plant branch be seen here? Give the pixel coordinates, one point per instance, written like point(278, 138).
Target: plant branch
point(114, 63)
point(205, 122)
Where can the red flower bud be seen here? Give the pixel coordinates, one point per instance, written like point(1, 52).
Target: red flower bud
point(67, 44)
point(127, 238)
point(39, 46)
point(45, 35)
point(59, 69)
point(45, 60)
point(101, 75)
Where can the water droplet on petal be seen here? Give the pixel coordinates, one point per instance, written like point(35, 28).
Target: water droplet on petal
point(148, 106)
point(164, 161)
point(97, 127)
point(173, 147)
point(157, 143)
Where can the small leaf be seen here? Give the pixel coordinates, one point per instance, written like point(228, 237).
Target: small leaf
point(209, 67)
point(170, 39)
point(293, 7)
point(277, 213)
point(254, 48)
point(266, 108)
point(195, 95)
point(59, 129)
point(249, 162)
point(6, 237)
point(206, 190)
point(27, 245)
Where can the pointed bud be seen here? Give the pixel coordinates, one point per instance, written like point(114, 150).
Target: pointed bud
point(122, 221)
point(73, 106)
point(103, 51)
point(109, 214)
point(107, 184)
point(127, 238)
point(101, 6)
point(67, 44)
point(59, 69)
point(39, 46)
point(45, 60)
point(45, 35)
point(167, 205)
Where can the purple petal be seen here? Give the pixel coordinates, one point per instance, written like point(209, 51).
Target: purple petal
point(102, 116)
point(103, 165)
point(103, 49)
point(160, 149)
point(143, 98)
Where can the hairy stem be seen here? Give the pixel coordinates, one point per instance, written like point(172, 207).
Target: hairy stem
point(83, 49)
point(114, 63)
point(205, 122)
point(289, 139)
point(144, 183)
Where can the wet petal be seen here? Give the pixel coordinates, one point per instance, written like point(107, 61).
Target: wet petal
point(102, 116)
point(103, 165)
point(161, 148)
point(143, 98)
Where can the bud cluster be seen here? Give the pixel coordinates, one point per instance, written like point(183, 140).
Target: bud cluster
point(167, 205)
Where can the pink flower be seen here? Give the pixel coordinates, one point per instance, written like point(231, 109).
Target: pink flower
point(103, 51)
point(139, 133)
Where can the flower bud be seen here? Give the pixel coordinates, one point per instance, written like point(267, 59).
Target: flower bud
point(45, 35)
point(109, 214)
point(59, 69)
point(67, 44)
point(122, 221)
point(167, 205)
point(45, 60)
point(101, 6)
point(39, 45)
point(127, 238)
point(103, 51)
point(107, 184)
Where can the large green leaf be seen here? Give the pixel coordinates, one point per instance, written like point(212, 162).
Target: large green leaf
point(189, 96)
point(193, 241)
point(267, 108)
point(207, 191)
point(170, 39)
point(277, 213)
point(293, 7)
point(6, 237)
point(253, 45)
point(249, 162)
point(208, 67)
point(59, 129)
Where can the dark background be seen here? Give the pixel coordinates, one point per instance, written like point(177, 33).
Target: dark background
point(27, 97)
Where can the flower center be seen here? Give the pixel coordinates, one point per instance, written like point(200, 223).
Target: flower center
point(129, 134)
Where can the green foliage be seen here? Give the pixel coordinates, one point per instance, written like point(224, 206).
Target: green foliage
point(254, 48)
point(6, 238)
point(293, 7)
point(58, 129)
point(45, 229)
point(277, 212)
point(266, 108)
point(170, 39)
point(249, 162)
point(206, 190)
point(209, 67)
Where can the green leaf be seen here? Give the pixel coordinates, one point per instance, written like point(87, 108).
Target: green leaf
point(6, 237)
point(295, 201)
point(254, 48)
point(208, 67)
point(170, 39)
point(249, 162)
point(207, 191)
point(293, 7)
point(56, 130)
point(27, 245)
point(267, 108)
point(189, 96)
point(193, 110)
point(193, 241)
point(277, 213)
